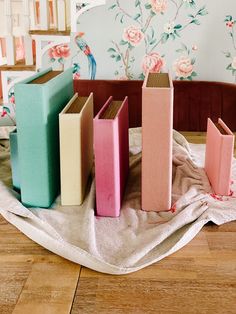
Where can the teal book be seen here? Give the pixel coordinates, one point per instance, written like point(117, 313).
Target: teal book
point(39, 100)
point(15, 171)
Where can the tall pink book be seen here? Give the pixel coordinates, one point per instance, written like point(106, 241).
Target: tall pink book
point(157, 125)
point(111, 150)
point(219, 156)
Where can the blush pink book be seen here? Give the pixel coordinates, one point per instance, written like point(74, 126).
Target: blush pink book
point(111, 150)
point(219, 156)
point(157, 128)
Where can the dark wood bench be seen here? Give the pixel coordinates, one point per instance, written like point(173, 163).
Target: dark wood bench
point(194, 101)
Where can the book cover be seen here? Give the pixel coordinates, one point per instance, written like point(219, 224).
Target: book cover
point(39, 100)
point(219, 156)
point(111, 149)
point(76, 148)
point(157, 125)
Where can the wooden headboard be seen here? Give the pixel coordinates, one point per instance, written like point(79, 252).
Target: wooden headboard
point(194, 101)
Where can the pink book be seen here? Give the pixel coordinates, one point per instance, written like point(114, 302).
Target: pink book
point(111, 150)
point(157, 125)
point(219, 156)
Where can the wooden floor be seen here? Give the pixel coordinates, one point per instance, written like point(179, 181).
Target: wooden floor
point(200, 278)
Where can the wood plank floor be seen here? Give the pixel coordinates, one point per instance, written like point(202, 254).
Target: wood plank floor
point(200, 278)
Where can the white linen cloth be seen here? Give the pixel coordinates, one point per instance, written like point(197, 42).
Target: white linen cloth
point(136, 239)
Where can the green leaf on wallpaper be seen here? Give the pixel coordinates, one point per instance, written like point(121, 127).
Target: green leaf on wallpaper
point(172, 36)
point(117, 14)
point(229, 67)
point(122, 19)
point(152, 42)
point(52, 60)
point(164, 37)
point(176, 33)
point(137, 3)
point(193, 60)
point(148, 6)
point(195, 21)
point(203, 11)
point(178, 26)
point(137, 16)
point(141, 76)
point(192, 5)
point(112, 56)
point(123, 42)
point(130, 46)
point(152, 32)
point(227, 54)
point(6, 109)
point(194, 73)
point(61, 60)
point(111, 50)
point(118, 58)
point(228, 18)
point(179, 50)
point(185, 48)
point(190, 78)
point(190, 15)
point(112, 7)
point(152, 13)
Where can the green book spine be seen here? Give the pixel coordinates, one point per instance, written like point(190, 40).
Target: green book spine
point(14, 161)
point(37, 110)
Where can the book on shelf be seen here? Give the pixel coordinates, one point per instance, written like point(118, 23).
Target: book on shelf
point(111, 150)
point(76, 148)
point(219, 156)
point(157, 125)
point(39, 100)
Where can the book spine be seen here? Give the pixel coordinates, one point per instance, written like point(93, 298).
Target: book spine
point(123, 153)
point(86, 142)
point(225, 164)
point(107, 190)
point(157, 124)
point(14, 160)
point(70, 159)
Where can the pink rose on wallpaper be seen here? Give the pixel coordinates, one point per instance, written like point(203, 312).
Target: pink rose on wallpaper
point(12, 99)
point(233, 64)
point(133, 35)
point(123, 78)
point(59, 51)
point(183, 67)
point(152, 62)
point(230, 24)
point(158, 6)
point(76, 76)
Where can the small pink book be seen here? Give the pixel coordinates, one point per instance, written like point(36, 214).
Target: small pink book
point(111, 150)
point(157, 128)
point(219, 156)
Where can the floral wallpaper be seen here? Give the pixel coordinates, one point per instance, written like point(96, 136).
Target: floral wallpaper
point(230, 23)
point(193, 39)
point(144, 29)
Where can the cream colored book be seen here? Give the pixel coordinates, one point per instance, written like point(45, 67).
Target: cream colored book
point(76, 148)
